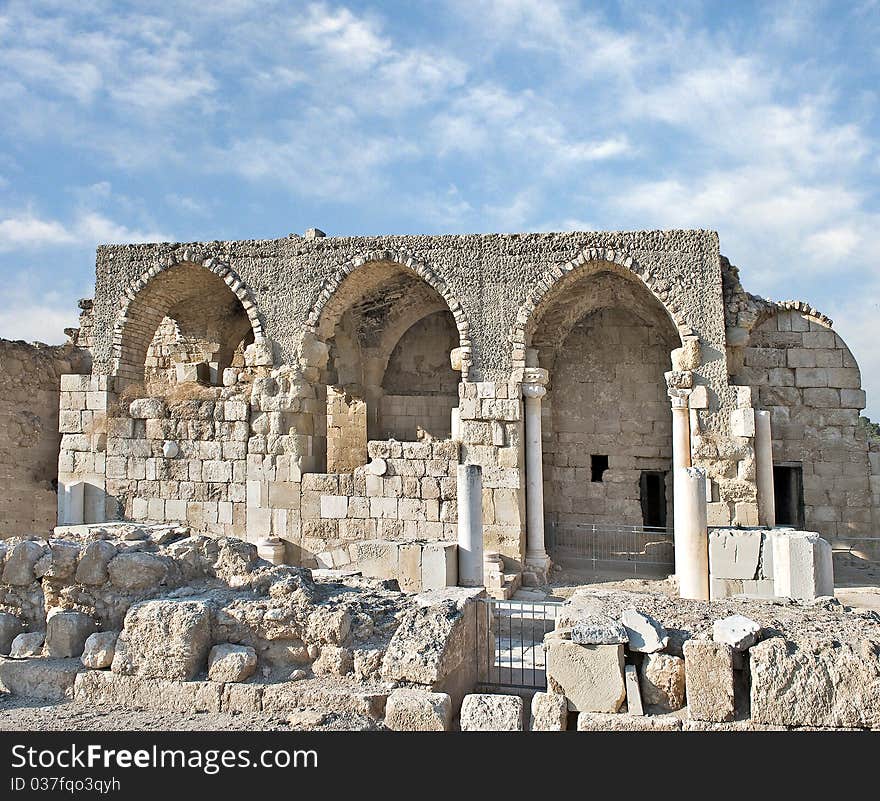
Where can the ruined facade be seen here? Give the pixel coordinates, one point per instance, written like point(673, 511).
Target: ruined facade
point(323, 390)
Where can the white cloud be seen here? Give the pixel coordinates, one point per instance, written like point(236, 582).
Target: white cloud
point(27, 231)
point(89, 228)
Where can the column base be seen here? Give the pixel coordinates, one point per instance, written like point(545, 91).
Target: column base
point(539, 565)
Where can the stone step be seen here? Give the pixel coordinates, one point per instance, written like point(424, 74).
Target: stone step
point(40, 677)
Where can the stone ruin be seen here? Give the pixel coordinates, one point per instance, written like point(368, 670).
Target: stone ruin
point(381, 429)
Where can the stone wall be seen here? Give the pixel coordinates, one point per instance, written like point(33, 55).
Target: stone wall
point(30, 378)
point(808, 380)
point(607, 397)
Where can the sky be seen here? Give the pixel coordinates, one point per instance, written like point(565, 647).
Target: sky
point(240, 119)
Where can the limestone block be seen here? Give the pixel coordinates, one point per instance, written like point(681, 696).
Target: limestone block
point(59, 562)
point(734, 553)
point(334, 506)
point(229, 662)
point(817, 684)
point(67, 632)
point(375, 558)
point(742, 423)
point(633, 695)
point(29, 644)
point(589, 676)
point(549, 712)
point(167, 638)
point(596, 629)
point(100, 687)
point(418, 710)
point(99, 649)
point(737, 631)
point(333, 661)
point(192, 371)
point(709, 680)
point(93, 561)
point(717, 514)
point(18, 569)
point(136, 570)
point(745, 513)
point(593, 721)
point(663, 681)
point(327, 624)
point(802, 565)
point(439, 565)
point(482, 712)
point(645, 634)
point(147, 409)
point(46, 679)
point(10, 628)
point(409, 567)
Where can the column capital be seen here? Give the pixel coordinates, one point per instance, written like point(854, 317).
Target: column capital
point(534, 382)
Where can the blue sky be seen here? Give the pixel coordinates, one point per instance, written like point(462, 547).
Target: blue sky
point(252, 118)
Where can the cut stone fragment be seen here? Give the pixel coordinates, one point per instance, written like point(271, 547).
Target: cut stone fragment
point(663, 681)
point(29, 644)
point(418, 710)
point(228, 662)
point(633, 696)
point(589, 676)
point(10, 627)
point(598, 630)
point(737, 631)
point(709, 680)
point(549, 712)
point(67, 632)
point(99, 649)
point(645, 634)
point(481, 712)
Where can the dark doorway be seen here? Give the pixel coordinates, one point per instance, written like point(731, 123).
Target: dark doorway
point(653, 495)
point(598, 466)
point(788, 492)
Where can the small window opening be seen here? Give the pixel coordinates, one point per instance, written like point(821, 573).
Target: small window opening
point(598, 466)
point(788, 492)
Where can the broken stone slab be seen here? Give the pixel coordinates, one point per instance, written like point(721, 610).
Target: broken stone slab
point(103, 688)
point(28, 644)
point(67, 632)
point(164, 639)
point(802, 565)
point(418, 710)
point(709, 680)
point(483, 712)
point(549, 712)
point(737, 631)
point(633, 694)
point(663, 681)
point(99, 650)
point(136, 570)
point(645, 634)
point(45, 678)
point(10, 627)
point(594, 629)
point(229, 662)
point(18, 570)
point(824, 683)
point(589, 676)
point(595, 721)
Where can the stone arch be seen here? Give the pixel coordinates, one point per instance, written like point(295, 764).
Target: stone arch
point(337, 294)
point(144, 305)
point(771, 309)
point(553, 282)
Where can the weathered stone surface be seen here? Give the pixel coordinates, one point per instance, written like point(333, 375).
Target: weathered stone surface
point(418, 710)
point(663, 681)
point(333, 661)
point(549, 712)
point(734, 553)
point(18, 569)
point(10, 627)
point(48, 679)
point(59, 562)
point(136, 570)
point(147, 408)
point(645, 634)
point(633, 694)
point(819, 684)
point(595, 721)
point(589, 676)
point(290, 696)
point(802, 565)
point(481, 712)
point(93, 561)
point(598, 630)
point(29, 644)
point(328, 625)
point(228, 662)
point(709, 680)
point(737, 631)
point(99, 649)
point(103, 688)
point(67, 632)
point(164, 639)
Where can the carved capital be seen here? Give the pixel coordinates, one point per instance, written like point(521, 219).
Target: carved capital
point(534, 382)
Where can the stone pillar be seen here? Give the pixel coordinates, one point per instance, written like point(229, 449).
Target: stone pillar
point(681, 434)
point(533, 389)
point(470, 525)
point(764, 470)
point(71, 503)
point(691, 533)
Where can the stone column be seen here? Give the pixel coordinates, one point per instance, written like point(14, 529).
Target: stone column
point(455, 360)
point(691, 533)
point(681, 433)
point(470, 525)
point(764, 470)
point(533, 389)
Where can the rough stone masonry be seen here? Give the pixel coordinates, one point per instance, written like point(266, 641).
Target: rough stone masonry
point(322, 391)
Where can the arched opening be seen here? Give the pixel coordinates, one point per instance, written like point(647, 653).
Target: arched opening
point(606, 424)
point(185, 325)
point(389, 334)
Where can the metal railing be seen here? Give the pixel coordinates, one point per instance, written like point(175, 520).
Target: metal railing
point(510, 648)
point(639, 550)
